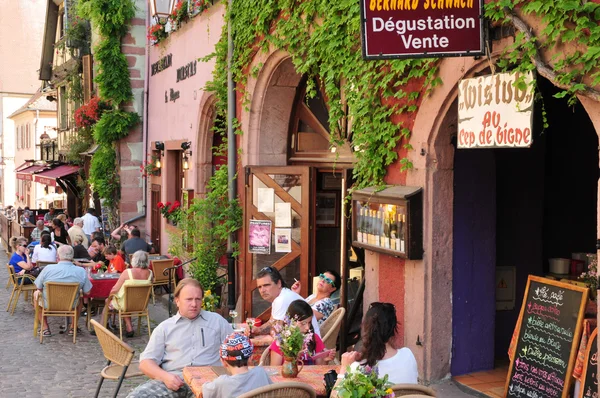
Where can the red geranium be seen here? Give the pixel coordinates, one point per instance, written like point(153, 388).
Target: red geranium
point(160, 205)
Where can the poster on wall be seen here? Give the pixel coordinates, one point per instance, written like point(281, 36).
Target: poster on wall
point(495, 111)
point(421, 28)
point(259, 237)
point(266, 200)
point(283, 240)
point(283, 214)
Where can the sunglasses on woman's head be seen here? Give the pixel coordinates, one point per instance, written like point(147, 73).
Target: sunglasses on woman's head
point(327, 280)
point(268, 269)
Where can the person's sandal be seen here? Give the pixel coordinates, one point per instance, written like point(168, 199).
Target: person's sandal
point(47, 333)
point(71, 331)
point(129, 334)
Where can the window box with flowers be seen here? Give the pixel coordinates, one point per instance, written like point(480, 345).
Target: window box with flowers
point(179, 15)
point(157, 33)
point(149, 167)
point(87, 115)
point(171, 211)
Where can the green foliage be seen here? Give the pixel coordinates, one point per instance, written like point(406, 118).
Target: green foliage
point(114, 125)
point(113, 73)
point(363, 382)
point(205, 226)
point(329, 53)
point(103, 174)
point(109, 17)
point(78, 143)
point(564, 22)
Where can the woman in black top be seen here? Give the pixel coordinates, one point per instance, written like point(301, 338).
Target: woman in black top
point(59, 233)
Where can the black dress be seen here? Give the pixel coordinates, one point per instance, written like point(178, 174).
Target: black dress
point(63, 236)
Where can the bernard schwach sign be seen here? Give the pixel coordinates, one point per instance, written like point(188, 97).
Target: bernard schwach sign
point(495, 112)
point(421, 28)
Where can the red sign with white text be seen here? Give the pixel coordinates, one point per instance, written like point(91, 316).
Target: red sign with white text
point(421, 28)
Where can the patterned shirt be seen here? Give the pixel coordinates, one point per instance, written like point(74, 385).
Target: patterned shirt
point(36, 234)
point(324, 306)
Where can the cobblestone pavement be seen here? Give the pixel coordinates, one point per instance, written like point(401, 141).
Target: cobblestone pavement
point(57, 368)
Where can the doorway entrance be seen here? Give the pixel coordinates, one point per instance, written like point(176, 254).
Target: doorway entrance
point(514, 209)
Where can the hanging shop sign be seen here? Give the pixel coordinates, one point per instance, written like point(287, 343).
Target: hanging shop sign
point(495, 111)
point(162, 64)
point(421, 28)
point(186, 71)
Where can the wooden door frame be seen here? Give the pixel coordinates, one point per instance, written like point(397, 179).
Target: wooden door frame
point(156, 240)
point(305, 210)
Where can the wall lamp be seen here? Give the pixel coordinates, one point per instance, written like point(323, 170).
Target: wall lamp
point(186, 151)
point(160, 146)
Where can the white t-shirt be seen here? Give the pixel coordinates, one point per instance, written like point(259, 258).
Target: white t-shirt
point(90, 223)
point(401, 368)
point(281, 304)
point(42, 254)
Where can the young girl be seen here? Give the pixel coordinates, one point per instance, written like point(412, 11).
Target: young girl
point(301, 313)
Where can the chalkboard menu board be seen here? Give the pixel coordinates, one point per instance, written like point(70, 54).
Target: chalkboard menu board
point(549, 331)
point(590, 373)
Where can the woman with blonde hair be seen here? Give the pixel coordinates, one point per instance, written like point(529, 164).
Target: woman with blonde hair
point(20, 258)
point(138, 275)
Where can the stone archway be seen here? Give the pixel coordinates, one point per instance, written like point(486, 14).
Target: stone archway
point(204, 141)
point(267, 122)
point(429, 281)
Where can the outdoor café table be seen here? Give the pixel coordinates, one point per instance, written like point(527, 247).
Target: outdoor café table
point(311, 375)
point(260, 345)
point(102, 284)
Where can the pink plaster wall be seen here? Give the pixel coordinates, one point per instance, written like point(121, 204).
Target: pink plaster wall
point(184, 119)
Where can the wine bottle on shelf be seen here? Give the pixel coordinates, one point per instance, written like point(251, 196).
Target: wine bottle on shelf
point(398, 231)
point(371, 227)
point(393, 227)
point(402, 233)
point(360, 223)
point(378, 239)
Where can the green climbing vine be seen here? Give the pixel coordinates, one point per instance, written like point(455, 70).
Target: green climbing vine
point(110, 18)
point(323, 39)
point(572, 23)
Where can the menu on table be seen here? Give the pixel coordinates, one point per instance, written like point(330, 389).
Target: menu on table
point(549, 330)
point(589, 389)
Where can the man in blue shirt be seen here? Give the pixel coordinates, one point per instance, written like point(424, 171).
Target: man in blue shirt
point(65, 271)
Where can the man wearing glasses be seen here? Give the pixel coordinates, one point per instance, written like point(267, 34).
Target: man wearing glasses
point(273, 289)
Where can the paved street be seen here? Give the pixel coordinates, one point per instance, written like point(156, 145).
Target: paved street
point(58, 368)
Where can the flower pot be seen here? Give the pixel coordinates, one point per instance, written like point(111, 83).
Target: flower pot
point(289, 369)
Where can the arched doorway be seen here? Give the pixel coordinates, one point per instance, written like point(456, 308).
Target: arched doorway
point(293, 182)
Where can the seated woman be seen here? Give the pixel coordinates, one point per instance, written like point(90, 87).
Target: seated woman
point(45, 251)
point(321, 301)
point(79, 249)
point(301, 313)
point(138, 275)
point(60, 236)
point(379, 327)
point(20, 258)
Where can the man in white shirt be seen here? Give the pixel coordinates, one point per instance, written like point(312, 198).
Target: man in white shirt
point(273, 289)
point(191, 338)
point(90, 223)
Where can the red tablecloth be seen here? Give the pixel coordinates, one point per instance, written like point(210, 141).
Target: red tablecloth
point(311, 375)
point(101, 287)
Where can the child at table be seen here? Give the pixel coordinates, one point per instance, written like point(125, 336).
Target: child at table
point(302, 313)
point(116, 263)
point(235, 352)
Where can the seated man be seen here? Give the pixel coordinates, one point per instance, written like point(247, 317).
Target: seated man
point(134, 241)
point(96, 250)
point(77, 231)
point(65, 271)
point(272, 288)
point(26, 218)
point(36, 233)
point(49, 216)
point(190, 338)
point(235, 352)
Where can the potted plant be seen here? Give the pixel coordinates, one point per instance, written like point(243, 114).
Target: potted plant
point(171, 211)
point(291, 342)
point(179, 14)
point(364, 381)
point(157, 33)
point(149, 168)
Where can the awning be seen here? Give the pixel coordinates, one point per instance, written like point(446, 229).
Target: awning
point(49, 177)
point(27, 173)
point(23, 166)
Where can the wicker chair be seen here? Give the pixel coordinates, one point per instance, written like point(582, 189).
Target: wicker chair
point(42, 264)
point(135, 302)
point(401, 390)
point(116, 351)
point(17, 282)
point(330, 328)
point(159, 279)
point(265, 358)
point(289, 389)
point(61, 302)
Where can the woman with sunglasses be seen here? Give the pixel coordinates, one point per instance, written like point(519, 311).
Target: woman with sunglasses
point(378, 330)
point(320, 301)
point(20, 258)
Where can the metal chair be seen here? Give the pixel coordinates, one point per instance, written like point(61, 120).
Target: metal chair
point(288, 389)
point(17, 282)
point(330, 328)
point(159, 279)
point(60, 298)
point(412, 389)
point(135, 302)
point(116, 351)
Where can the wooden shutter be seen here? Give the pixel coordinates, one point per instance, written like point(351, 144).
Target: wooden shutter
point(88, 77)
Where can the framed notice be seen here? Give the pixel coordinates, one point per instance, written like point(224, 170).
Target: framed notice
point(283, 240)
point(422, 28)
point(547, 337)
point(327, 209)
point(259, 236)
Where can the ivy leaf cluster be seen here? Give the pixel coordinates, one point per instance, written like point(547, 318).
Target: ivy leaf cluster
point(110, 18)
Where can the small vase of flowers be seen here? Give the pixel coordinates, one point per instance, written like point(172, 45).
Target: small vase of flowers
point(364, 381)
point(291, 342)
